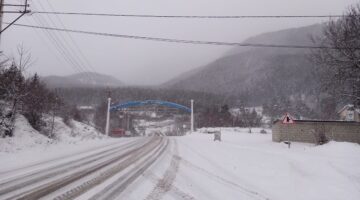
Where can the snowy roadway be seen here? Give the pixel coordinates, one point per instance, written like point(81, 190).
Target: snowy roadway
point(242, 166)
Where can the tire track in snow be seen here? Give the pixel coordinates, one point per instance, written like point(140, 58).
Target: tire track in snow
point(165, 184)
point(131, 157)
point(40, 175)
point(247, 191)
point(174, 190)
point(250, 192)
point(46, 188)
point(113, 190)
point(68, 157)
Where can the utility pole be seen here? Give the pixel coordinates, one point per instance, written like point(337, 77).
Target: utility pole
point(192, 116)
point(108, 115)
point(127, 122)
point(1, 12)
point(1, 15)
point(21, 12)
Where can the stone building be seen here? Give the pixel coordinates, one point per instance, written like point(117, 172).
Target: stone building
point(310, 131)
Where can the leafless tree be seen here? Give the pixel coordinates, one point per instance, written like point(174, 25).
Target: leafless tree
point(320, 134)
point(13, 85)
point(339, 65)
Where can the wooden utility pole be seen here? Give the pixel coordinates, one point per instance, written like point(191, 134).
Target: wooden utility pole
point(21, 12)
point(1, 15)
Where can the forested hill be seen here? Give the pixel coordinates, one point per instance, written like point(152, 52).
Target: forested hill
point(260, 75)
point(97, 96)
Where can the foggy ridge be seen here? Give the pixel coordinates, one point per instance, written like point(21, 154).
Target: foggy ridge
point(84, 79)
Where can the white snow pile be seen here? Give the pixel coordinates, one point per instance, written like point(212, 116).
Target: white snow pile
point(76, 131)
point(26, 137)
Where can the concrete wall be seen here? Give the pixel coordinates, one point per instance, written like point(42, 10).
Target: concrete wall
point(313, 131)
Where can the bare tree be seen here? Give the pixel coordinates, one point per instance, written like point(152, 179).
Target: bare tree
point(339, 65)
point(13, 86)
point(320, 134)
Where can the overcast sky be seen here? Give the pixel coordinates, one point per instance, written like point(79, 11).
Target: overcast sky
point(148, 62)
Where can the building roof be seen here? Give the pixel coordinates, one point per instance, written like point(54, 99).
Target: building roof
point(323, 121)
point(347, 107)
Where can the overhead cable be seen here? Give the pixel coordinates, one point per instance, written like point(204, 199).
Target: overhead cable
point(199, 42)
point(185, 16)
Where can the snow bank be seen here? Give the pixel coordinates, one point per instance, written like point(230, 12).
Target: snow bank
point(24, 137)
point(77, 131)
point(28, 146)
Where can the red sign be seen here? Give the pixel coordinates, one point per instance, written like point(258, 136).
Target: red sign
point(287, 119)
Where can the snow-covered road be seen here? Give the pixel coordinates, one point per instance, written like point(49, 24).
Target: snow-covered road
point(242, 166)
point(72, 176)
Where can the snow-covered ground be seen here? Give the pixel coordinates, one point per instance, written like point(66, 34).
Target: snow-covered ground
point(251, 166)
point(241, 166)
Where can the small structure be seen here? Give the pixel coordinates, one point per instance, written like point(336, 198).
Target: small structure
point(217, 136)
point(349, 113)
point(317, 132)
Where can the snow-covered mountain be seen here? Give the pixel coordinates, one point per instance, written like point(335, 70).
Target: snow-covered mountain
point(85, 79)
point(263, 72)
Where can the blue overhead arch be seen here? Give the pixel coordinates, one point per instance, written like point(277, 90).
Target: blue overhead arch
point(149, 102)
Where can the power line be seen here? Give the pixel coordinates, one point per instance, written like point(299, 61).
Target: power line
point(186, 16)
point(82, 55)
point(59, 46)
point(57, 41)
point(183, 41)
point(73, 54)
point(37, 33)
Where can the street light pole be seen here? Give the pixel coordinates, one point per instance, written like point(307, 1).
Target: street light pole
point(108, 117)
point(192, 116)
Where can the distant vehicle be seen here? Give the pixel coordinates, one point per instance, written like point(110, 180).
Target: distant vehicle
point(118, 132)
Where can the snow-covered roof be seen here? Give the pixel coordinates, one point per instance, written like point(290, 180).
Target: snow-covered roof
point(346, 107)
point(85, 107)
point(257, 109)
point(318, 120)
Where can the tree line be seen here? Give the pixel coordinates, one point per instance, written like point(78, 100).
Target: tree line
point(28, 96)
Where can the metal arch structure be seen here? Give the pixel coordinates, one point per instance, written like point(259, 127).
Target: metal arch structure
point(149, 102)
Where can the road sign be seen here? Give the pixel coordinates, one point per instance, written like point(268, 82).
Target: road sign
point(287, 119)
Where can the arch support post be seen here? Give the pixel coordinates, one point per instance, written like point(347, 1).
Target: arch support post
point(108, 118)
point(192, 116)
